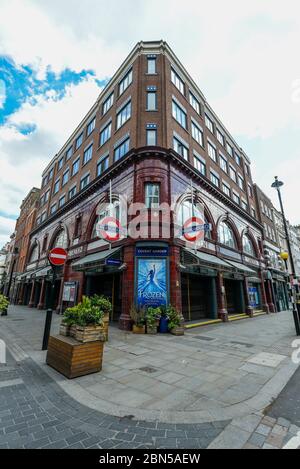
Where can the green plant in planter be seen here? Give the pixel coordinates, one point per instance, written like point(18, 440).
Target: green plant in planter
point(137, 315)
point(102, 302)
point(152, 317)
point(84, 314)
point(174, 316)
point(3, 303)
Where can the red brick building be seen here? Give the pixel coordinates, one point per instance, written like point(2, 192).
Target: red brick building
point(152, 137)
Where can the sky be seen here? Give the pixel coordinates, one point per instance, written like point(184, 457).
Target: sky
point(57, 55)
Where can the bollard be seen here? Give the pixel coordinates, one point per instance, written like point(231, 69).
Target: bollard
point(47, 329)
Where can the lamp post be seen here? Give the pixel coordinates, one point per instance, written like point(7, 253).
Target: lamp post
point(277, 185)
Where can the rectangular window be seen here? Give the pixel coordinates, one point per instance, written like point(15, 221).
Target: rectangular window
point(237, 159)
point(232, 173)
point(43, 216)
point(180, 148)
point(223, 164)
point(253, 212)
point(194, 103)
point(60, 164)
point(108, 103)
point(247, 169)
point(125, 82)
point(152, 195)
point(151, 101)
point(197, 133)
point(61, 201)
point(200, 165)
point(75, 167)
point(250, 191)
point(212, 152)
point(124, 115)
point(79, 141)
point(69, 153)
point(236, 198)
point(44, 181)
point(241, 182)
point(220, 137)
point(87, 155)
point(151, 65)
point(229, 149)
point(51, 173)
point(91, 127)
point(209, 123)
point(176, 80)
point(179, 114)
point(84, 181)
point(52, 209)
point(72, 192)
point(151, 137)
point(65, 177)
point(102, 165)
point(122, 149)
point(215, 179)
point(105, 134)
point(226, 189)
point(56, 186)
point(244, 205)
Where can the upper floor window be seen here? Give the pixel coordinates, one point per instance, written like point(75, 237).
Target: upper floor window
point(151, 137)
point(151, 100)
point(194, 103)
point(50, 175)
point(69, 153)
point(220, 137)
point(79, 141)
point(244, 204)
point(124, 115)
point(75, 166)
point(72, 192)
point(65, 177)
point(180, 148)
point(60, 164)
point(44, 181)
point(102, 165)
point(152, 195)
point(56, 186)
point(215, 179)
point(179, 114)
point(122, 149)
point(229, 149)
point(200, 165)
point(212, 152)
point(108, 103)
point(253, 212)
point(151, 64)
point(105, 134)
point(84, 181)
point(87, 155)
point(250, 190)
point(241, 182)
point(248, 246)
point(177, 81)
point(226, 235)
point(236, 198)
point(34, 255)
point(197, 133)
point(223, 163)
point(61, 201)
point(226, 189)
point(237, 158)
point(125, 82)
point(91, 126)
point(209, 123)
point(232, 173)
point(61, 240)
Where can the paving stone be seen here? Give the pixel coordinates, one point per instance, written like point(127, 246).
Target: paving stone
point(75, 438)
point(268, 446)
point(250, 446)
point(275, 440)
point(257, 439)
point(279, 430)
point(165, 443)
point(263, 429)
point(124, 436)
point(283, 422)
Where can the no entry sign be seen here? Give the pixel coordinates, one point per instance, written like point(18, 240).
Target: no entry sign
point(57, 256)
point(109, 228)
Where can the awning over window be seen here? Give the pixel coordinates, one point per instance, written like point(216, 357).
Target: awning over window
point(209, 259)
point(98, 259)
point(242, 268)
point(43, 272)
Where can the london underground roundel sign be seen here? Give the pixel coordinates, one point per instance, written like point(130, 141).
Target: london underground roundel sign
point(57, 256)
point(194, 229)
point(109, 228)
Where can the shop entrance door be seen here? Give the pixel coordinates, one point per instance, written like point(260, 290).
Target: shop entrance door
point(108, 285)
point(197, 297)
point(234, 296)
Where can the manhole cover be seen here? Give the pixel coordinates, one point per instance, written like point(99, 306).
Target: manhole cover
point(203, 337)
point(148, 369)
point(243, 344)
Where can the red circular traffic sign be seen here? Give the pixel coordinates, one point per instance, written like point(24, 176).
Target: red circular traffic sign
point(57, 256)
point(109, 228)
point(193, 229)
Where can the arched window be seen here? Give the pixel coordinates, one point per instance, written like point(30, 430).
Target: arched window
point(248, 245)
point(226, 235)
point(34, 255)
point(187, 210)
point(105, 213)
point(61, 240)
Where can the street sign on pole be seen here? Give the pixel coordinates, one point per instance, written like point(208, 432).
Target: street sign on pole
point(57, 256)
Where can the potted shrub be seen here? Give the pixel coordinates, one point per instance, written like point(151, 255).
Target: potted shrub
point(88, 320)
point(152, 319)
point(176, 322)
point(105, 305)
point(3, 305)
point(138, 320)
point(68, 323)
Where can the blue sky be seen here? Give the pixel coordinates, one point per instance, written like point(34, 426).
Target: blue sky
point(242, 55)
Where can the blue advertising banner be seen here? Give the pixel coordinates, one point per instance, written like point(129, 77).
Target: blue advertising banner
point(253, 296)
point(152, 282)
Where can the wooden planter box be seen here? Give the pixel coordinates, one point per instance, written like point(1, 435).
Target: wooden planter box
point(89, 333)
point(72, 331)
point(64, 329)
point(152, 330)
point(73, 358)
point(105, 326)
point(179, 330)
point(138, 329)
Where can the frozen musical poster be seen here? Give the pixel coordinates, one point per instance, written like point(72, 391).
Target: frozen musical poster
point(152, 282)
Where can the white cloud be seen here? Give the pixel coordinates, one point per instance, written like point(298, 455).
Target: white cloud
point(7, 226)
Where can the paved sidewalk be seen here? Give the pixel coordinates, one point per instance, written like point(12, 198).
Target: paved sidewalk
point(212, 384)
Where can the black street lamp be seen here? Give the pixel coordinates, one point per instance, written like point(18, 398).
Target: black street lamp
point(276, 185)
